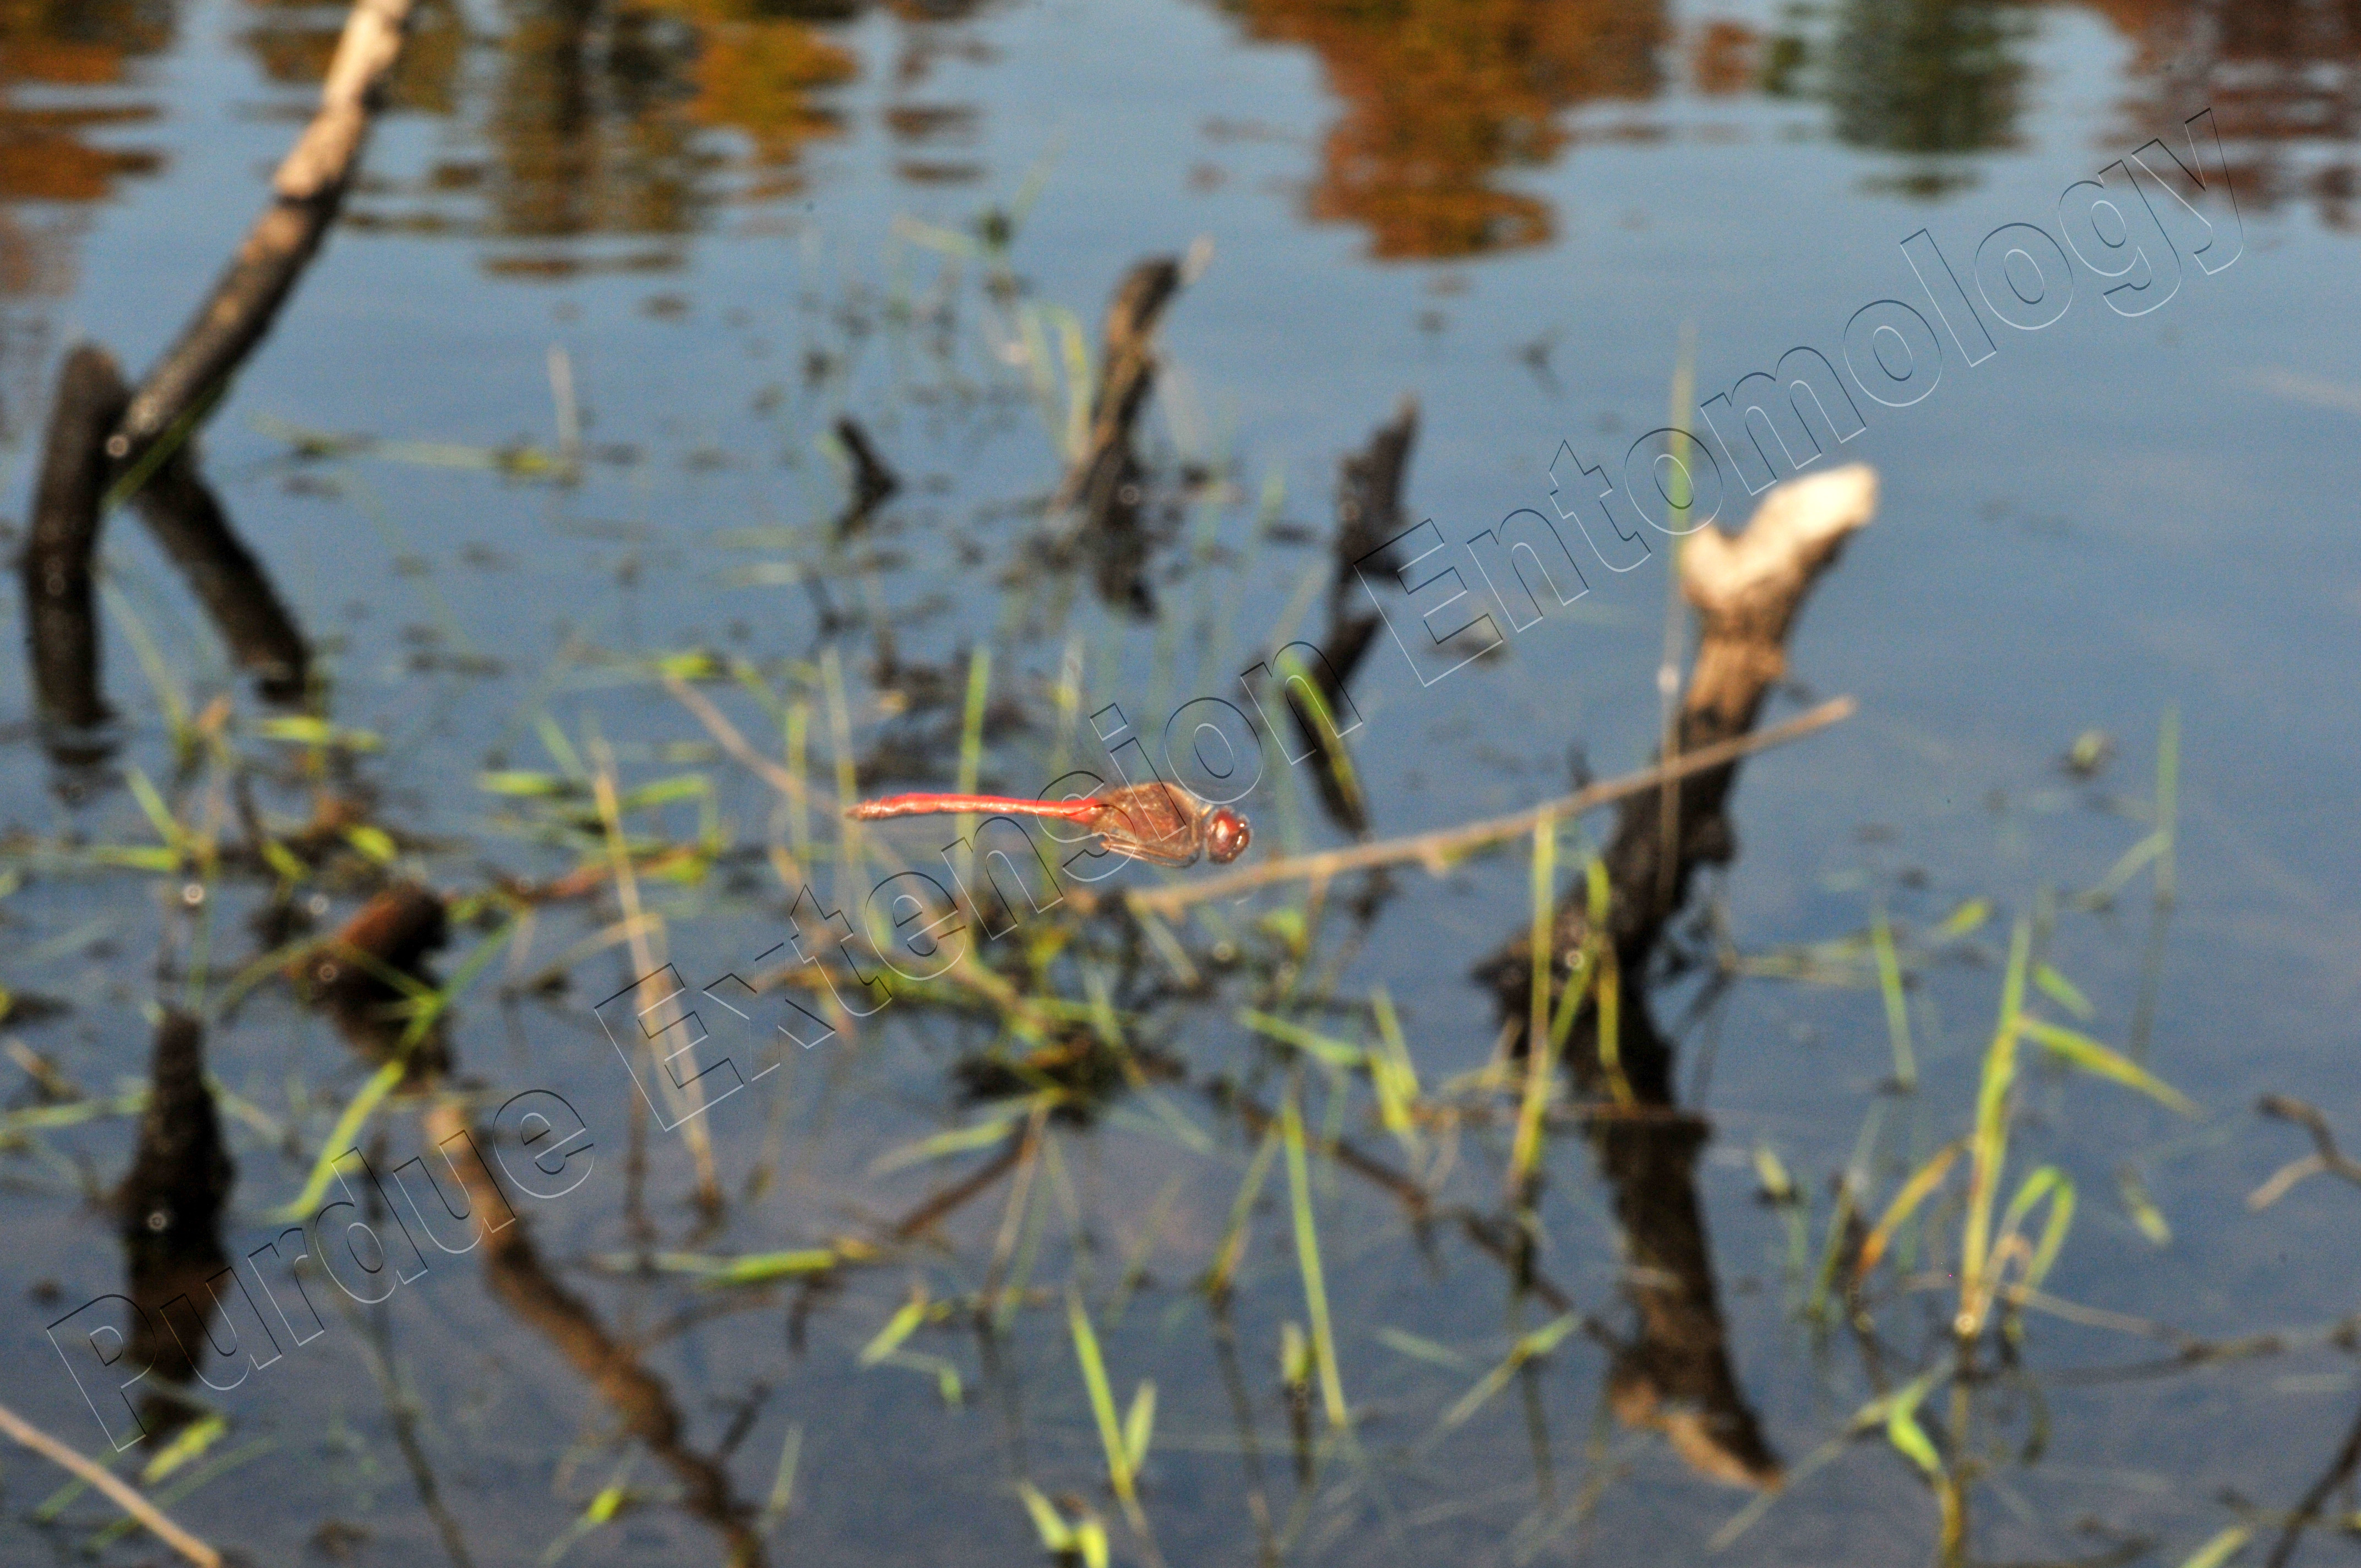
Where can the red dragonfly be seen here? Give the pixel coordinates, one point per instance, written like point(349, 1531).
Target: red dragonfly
point(1162, 824)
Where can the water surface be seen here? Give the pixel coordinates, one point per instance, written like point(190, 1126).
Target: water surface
point(732, 224)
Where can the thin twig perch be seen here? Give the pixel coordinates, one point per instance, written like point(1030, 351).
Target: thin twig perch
point(1437, 850)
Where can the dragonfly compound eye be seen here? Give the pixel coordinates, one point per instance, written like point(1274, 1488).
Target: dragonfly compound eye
point(1226, 837)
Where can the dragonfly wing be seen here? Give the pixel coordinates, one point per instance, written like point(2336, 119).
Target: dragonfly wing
point(1176, 853)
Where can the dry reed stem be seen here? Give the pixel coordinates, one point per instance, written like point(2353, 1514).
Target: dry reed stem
point(124, 1496)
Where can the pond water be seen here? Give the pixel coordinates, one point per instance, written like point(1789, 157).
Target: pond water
point(549, 436)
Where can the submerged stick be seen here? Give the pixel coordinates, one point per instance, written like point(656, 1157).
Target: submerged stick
point(1575, 965)
point(306, 192)
point(104, 446)
point(114, 1486)
point(1436, 850)
point(186, 519)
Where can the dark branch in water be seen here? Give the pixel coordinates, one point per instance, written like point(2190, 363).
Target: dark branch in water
point(940, 1203)
point(2340, 1472)
point(169, 1211)
point(61, 621)
point(1101, 495)
point(1368, 514)
point(186, 519)
point(873, 481)
point(1369, 497)
point(1126, 374)
point(1747, 592)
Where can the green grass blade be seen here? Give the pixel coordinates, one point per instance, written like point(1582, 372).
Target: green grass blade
point(1988, 1148)
point(1328, 1052)
point(2142, 1208)
point(899, 1327)
point(1903, 1431)
point(1102, 1398)
point(1140, 1427)
point(1234, 1234)
point(2088, 1054)
point(981, 1135)
point(757, 1268)
point(2168, 802)
point(2063, 991)
point(783, 1483)
point(1898, 1007)
point(1923, 1180)
point(1307, 1255)
point(1528, 1347)
point(339, 1143)
point(1056, 1535)
point(2220, 1549)
point(1540, 1076)
point(1394, 1077)
point(1420, 1348)
point(2053, 1234)
point(151, 806)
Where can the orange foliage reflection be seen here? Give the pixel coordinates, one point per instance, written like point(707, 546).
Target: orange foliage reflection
point(596, 117)
point(69, 83)
point(44, 156)
point(1442, 96)
point(2276, 74)
point(756, 74)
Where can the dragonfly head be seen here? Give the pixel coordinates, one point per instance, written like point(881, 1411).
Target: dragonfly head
point(1226, 835)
